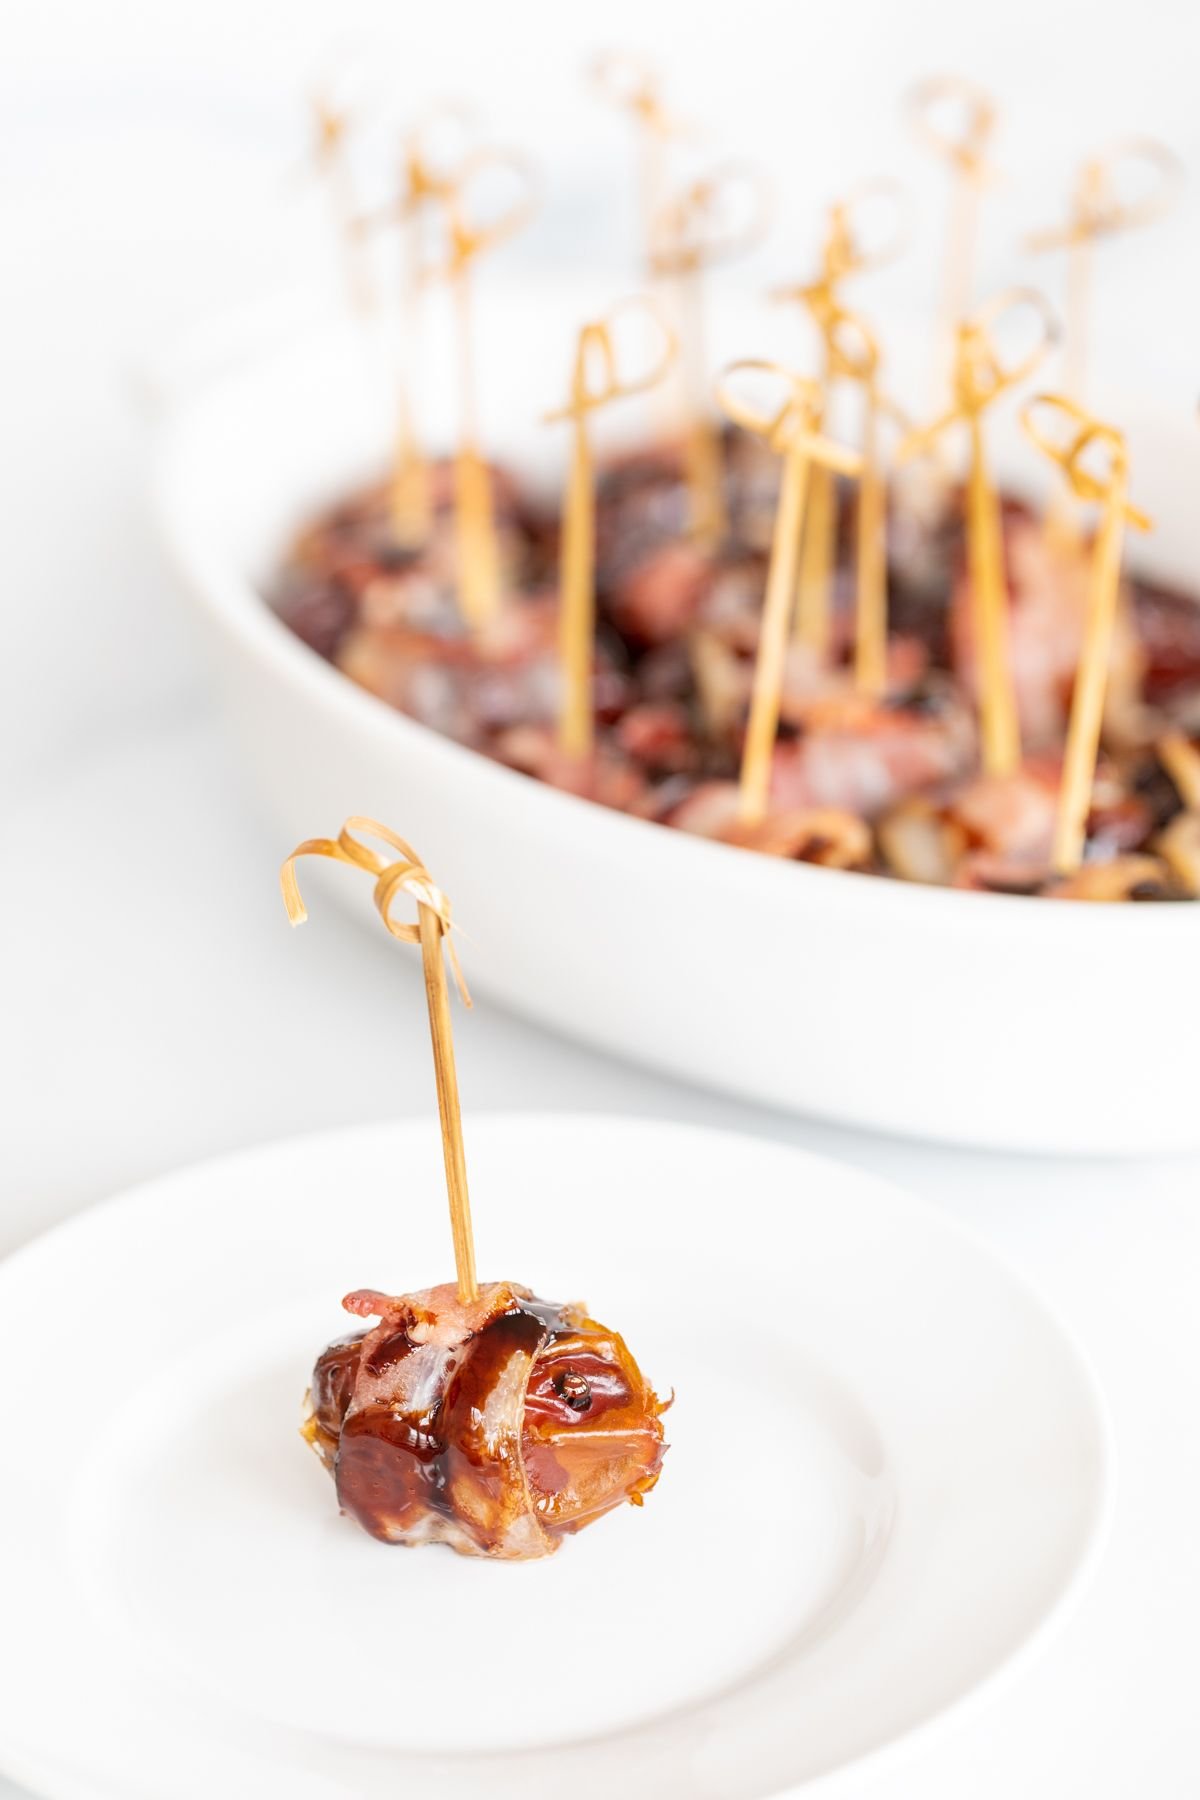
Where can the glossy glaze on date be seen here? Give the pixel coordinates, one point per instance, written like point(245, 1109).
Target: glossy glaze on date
point(496, 1428)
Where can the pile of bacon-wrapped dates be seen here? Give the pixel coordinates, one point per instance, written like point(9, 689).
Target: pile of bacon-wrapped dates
point(888, 786)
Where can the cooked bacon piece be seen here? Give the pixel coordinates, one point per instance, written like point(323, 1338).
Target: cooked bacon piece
point(1012, 816)
point(317, 608)
point(1179, 846)
point(920, 841)
point(863, 757)
point(496, 1427)
point(710, 810)
point(835, 840)
point(1169, 627)
point(607, 777)
point(659, 597)
point(658, 736)
point(1049, 591)
point(988, 873)
point(1124, 878)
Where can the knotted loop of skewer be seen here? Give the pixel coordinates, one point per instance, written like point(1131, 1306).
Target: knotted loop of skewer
point(1098, 208)
point(966, 150)
point(844, 253)
point(342, 95)
point(632, 83)
point(694, 231)
point(980, 373)
point(405, 874)
point(596, 378)
point(466, 238)
point(332, 124)
point(846, 249)
point(794, 424)
point(1070, 451)
point(424, 180)
point(854, 353)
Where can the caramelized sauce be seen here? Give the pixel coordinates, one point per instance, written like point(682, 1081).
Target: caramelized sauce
point(531, 1426)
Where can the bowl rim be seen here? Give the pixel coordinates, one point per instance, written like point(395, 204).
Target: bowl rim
point(234, 601)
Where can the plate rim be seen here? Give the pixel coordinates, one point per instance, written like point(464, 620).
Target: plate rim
point(58, 1780)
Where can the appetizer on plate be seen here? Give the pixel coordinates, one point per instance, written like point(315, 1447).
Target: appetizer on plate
point(472, 1414)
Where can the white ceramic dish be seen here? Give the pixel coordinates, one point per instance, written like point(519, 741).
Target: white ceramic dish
point(888, 1476)
point(966, 1018)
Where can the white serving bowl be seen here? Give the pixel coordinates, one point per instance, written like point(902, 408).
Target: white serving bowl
point(963, 1018)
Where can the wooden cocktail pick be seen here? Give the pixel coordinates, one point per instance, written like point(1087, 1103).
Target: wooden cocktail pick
point(333, 125)
point(963, 143)
point(1180, 758)
point(632, 83)
point(1109, 486)
point(792, 431)
point(715, 219)
point(406, 874)
point(854, 356)
point(595, 382)
point(979, 379)
point(844, 253)
point(1097, 209)
point(478, 553)
point(425, 183)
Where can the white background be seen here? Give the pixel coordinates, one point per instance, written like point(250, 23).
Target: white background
point(155, 1006)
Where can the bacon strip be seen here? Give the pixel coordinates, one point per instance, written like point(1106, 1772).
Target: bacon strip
point(495, 1428)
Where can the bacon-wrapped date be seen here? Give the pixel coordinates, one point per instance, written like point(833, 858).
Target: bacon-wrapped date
point(496, 1427)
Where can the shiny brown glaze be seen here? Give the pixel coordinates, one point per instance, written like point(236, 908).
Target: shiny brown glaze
point(496, 1428)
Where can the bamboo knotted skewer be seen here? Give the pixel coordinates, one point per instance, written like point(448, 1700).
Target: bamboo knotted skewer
point(423, 186)
point(478, 551)
point(1098, 210)
point(333, 125)
point(965, 150)
point(406, 874)
point(690, 236)
point(1110, 489)
point(980, 379)
point(595, 382)
point(632, 84)
point(1180, 758)
point(844, 253)
point(855, 356)
point(792, 431)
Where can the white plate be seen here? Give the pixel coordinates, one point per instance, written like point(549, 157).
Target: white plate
point(888, 1473)
point(969, 1018)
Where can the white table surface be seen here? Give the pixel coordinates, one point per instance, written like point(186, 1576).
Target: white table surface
point(156, 1009)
